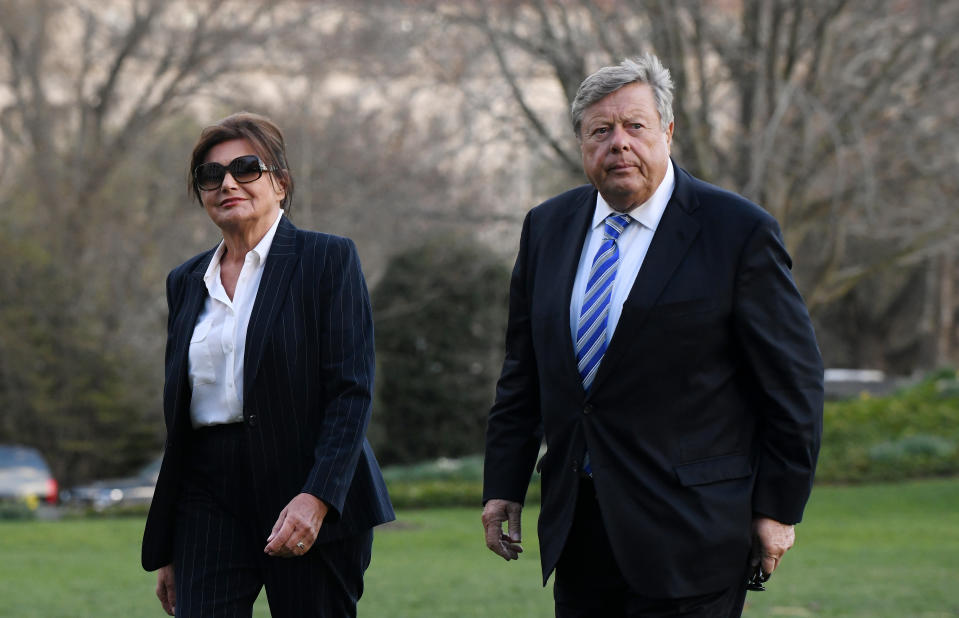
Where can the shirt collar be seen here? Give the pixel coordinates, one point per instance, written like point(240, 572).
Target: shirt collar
point(258, 253)
point(262, 248)
point(650, 212)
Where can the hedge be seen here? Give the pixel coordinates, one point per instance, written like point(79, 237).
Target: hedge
point(912, 433)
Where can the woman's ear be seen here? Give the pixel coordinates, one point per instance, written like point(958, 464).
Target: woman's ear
point(279, 180)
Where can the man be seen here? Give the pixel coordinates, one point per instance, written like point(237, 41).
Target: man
point(657, 339)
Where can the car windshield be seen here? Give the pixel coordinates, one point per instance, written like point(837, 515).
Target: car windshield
point(21, 457)
point(20, 464)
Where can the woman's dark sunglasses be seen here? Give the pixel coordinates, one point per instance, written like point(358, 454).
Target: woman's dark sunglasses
point(247, 168)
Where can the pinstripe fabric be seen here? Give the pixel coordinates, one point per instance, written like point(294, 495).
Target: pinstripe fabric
point(308, 383)
point(219, 562)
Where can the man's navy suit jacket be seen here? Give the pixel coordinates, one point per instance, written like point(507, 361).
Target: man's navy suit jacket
point(706, 409)
point(308, 386)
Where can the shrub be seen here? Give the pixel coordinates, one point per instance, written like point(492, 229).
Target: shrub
point(17, 509)
point(440, 314)
point(469, 468)
point(912, 433)
point(443, 482)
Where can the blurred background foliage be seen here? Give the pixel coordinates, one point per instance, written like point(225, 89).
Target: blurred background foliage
point(911, 433)
point(440, 321)
point(425, 130)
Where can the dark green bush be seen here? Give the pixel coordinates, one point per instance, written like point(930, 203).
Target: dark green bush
point(440, 314)
point(912, 433)
point(16, 510)
point(453, 492)
point(443, 482)
point(431, 494)
point(469, 468)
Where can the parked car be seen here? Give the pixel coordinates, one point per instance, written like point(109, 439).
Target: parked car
point(25, 476)
point(133, 490)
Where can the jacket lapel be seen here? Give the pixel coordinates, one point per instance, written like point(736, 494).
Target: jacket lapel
point(193, 297)
point(676, 232)
point(279, 267)
point(569, 240)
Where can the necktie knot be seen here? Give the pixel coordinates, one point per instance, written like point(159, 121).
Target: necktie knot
point(614, 225)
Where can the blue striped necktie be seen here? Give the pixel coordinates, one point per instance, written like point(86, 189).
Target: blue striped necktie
point(594, 315)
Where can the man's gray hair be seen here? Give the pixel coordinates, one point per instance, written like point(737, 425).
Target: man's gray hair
point(644, 69)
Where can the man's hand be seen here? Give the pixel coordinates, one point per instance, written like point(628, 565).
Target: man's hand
point(296, 528)
point(771, 540)
point(494, 514)
point(166, 589)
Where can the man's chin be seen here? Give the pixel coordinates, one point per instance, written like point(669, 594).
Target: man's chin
point(622, 201)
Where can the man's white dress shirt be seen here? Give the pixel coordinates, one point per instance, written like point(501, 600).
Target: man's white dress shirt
point(633, 244)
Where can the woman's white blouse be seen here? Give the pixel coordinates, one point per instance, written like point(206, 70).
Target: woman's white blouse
point(219, 338)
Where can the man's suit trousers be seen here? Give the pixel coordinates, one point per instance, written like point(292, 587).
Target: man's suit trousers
point(589, 582)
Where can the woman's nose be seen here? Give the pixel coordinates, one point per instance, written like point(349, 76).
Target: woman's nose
point(228, 181)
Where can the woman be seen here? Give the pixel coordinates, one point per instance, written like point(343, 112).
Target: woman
point(267, 478)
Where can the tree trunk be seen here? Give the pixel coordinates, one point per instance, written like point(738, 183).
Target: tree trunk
point(947, 309)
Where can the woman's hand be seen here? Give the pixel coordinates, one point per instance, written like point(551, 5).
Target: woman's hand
point(296, 528)
point(166, 589)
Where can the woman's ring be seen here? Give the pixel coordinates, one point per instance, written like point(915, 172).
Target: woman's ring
point(301, 545)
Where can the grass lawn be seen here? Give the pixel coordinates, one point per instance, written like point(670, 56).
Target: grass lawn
point(878, 550)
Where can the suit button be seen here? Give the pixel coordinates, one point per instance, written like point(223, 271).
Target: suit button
point(252, 420)
point(588, 409)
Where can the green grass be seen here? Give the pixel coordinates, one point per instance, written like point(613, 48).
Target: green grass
point(889, 550)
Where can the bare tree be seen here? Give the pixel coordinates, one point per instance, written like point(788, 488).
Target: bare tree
point(833, 115)
point(407, 118)
point(820, 111)
point(99, 105)
point(98, 110)
point(84, 81)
